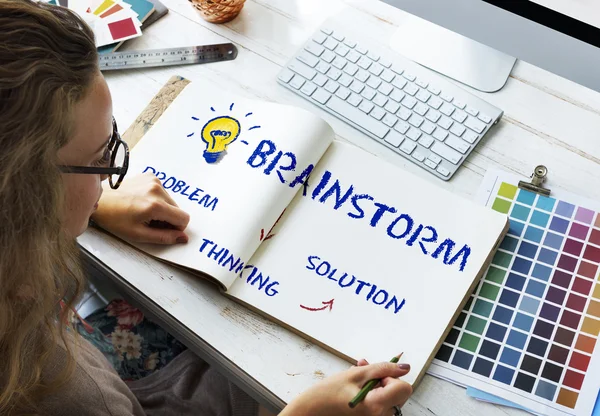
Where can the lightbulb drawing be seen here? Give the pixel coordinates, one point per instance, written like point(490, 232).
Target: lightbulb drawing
point(218, 133)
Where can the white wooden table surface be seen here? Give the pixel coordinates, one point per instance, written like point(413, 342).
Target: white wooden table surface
point(548, 120)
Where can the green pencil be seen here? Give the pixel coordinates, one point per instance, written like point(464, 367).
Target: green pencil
point(369, 385)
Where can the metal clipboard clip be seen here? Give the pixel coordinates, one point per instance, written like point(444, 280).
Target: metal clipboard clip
point(537, 179)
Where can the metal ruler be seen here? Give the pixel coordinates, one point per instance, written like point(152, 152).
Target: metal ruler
point(202, 54)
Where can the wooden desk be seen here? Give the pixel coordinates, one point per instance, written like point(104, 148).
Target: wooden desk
point(548, 120)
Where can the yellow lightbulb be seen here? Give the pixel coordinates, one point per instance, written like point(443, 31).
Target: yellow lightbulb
point(218, 133)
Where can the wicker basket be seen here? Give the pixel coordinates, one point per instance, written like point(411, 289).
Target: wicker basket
point(218, 11)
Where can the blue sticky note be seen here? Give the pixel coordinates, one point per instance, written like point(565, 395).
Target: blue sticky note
point(596, 411)
point(487, 397)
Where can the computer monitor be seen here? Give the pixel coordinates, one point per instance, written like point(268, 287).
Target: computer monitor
point(561, 36)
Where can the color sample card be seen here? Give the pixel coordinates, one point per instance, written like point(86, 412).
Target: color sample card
point(529, 332)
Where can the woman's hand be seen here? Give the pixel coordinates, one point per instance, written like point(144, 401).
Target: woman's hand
point(331, 396)
point(142, 211)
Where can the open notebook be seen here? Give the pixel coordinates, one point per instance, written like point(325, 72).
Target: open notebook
point(363, 258)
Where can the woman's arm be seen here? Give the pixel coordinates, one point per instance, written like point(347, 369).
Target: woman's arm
point(142, 211)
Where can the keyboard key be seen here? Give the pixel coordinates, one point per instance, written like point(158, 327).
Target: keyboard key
point(334, 73)
point(285, 75)
point(397, 95)
point(472, 111)
point(413, 134)
point(389, 120)
point(397, 69)
point(320, 80)
point(428, 127)
point(372, 55)
point(459, 104)
point(345, 80)
point(457, 144)
point(409, 76)
point(354, 99)
point(328, 56)
point(376, 69)
point(377, 113)
point(362, 75)
point(446, 97)
point(361, 49)
point(447, 109)
point(421, 109)
point(407, 146)
point(357, 116)
point(416, 120)
point(331, 44)
point(402, 127)
point(350, 43)
point(385, 88)
point(430, 163)
point(315, 49)
point(443, 171)
point(423, 95)
point(297, 82)
point(434, 90)
point(353, 57)
point(409, 102)
point(368, 93)
point(308, 88)
point(326, 30)
point(380, 99)
point(321, 96)
point(411, 89)
point(385, 62)
point(387, 75)
point(404, 113)
point(485, 118)
point(422, 83)
point(342, 50)
point(338, 36)
point(440, 134)
point(350, 69)
point(418, 156)
point(339, 62)
point(343, 93)
point(445, 122)
point(319, 37)
point(301, 69)
point(433, 116)
point(434, 158)
point(446, 152)
point(399, 82)
point(331, 86)
point(394, 138)
point(435, 102)
point(366, 106)
point(459, 116)
point(474, 124)
point(357, 86)
point(373, 82)
point(308, 59)
point(426, 141)
point(392, 106)
point(364, 62)
point(322, 67)
point(457, 129)
point(470, 137)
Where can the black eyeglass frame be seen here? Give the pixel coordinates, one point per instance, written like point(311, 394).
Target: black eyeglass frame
point(113, 144)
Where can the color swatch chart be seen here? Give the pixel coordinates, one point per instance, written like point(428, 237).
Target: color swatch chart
point(529, 331)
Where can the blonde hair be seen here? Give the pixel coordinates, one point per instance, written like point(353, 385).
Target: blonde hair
point(47, 62)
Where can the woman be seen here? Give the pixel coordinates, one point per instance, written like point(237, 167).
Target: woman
point(56, 125)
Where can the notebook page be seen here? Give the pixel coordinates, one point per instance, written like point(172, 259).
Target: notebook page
point(373, 261)
point(235, 201)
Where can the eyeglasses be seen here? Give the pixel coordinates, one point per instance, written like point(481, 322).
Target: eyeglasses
point(119, 161)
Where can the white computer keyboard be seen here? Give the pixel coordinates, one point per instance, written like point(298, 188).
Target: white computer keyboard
point(402, 105)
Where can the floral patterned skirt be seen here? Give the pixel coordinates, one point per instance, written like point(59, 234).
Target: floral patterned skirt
point(133, 344)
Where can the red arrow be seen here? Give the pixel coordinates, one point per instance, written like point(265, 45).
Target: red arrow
point(328, 304)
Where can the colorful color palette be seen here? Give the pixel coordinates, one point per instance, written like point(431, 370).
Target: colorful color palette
point(531, 327)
